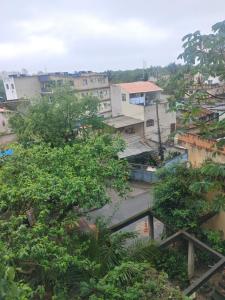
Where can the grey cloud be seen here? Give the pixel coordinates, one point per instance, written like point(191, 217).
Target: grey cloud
point(96, 34)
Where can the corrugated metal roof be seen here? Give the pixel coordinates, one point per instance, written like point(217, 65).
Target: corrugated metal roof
point(139, 87)
point(134, 146)
point(122, 121)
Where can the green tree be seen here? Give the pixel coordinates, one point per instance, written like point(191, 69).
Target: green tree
point(9, 287)
point(131, 281)
point(43, 190)
point(181, 196)
point(206, 51)
point(56, 119)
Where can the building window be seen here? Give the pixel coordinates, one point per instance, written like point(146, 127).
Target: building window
point(60, 82)
point(150, 122)
point(101, 94)
point(124, 97)
point(85, 82)
point(101, 80)
point(7, 86)
point(172, 127)
point(130, 130)
point(12, 86)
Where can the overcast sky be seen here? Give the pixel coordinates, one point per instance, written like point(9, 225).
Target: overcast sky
point(68, 35)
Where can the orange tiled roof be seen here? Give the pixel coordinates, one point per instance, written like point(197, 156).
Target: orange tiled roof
point(139, 87)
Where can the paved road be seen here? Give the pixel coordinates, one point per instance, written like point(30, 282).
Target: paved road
point(138, 200)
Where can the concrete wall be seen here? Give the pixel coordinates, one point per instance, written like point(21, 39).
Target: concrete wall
point(95, 85)
point(200, 150)
point(131, 110)
point(4, 125)
point(198, 156)
point(105, 109)
point(7, 139)
point(116, 100)
point(138, 129)
point(143, 113)
point(27, 87)
point(87, 82)
point(165, 120)
point(83, 82)
point(217, 223)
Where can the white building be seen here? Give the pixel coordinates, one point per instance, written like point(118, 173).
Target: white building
point(27, 87)
point(140, 100)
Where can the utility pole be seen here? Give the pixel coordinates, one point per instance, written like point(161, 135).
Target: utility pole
point(161, 152)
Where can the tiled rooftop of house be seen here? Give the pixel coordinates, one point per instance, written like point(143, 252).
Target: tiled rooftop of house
point(139, 87)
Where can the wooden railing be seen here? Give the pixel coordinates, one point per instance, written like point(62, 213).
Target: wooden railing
point(192, 243)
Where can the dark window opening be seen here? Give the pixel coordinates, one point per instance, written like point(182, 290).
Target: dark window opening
point(130, 130)
point(172, 127)
point(150, 122)
point(124, 97)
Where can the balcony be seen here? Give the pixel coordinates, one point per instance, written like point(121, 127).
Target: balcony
point(144, 99)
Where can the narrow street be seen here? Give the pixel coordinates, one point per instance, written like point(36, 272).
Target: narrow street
point(140, 198)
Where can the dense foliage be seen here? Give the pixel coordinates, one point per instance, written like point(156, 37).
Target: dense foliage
point(56, 119)
point(141, 282)
point(206, 51)
point(9, 288)
point(182, 195)
point(52, 252)
point(153, 72)
point(42, 191)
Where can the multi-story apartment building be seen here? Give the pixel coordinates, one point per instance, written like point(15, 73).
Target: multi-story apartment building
point(18, 87)
point(141, 100)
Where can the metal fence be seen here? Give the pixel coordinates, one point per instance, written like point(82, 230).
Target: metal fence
point(139, 172)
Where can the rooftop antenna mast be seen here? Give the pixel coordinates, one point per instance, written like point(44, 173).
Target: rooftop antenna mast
point(145, 75)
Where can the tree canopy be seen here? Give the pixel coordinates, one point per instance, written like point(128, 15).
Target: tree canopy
point(206, 51)
point(43, 191)
point(56, 119)
point(53, 252)
point(181, 196)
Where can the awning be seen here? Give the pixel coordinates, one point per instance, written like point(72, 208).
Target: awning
point(134, 147)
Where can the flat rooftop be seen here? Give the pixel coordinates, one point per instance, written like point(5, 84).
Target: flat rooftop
point(122, 121)
point(139, 87)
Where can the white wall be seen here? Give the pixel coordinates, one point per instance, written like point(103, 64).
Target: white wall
point(144, 113)
point(165, 120)
point(10, 89)
point(116, 100)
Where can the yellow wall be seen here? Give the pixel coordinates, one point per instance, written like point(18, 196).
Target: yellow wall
point(197, 155)
point(216, 223)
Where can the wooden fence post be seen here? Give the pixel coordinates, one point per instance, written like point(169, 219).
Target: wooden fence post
point(151, 226)
point(191, 260)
